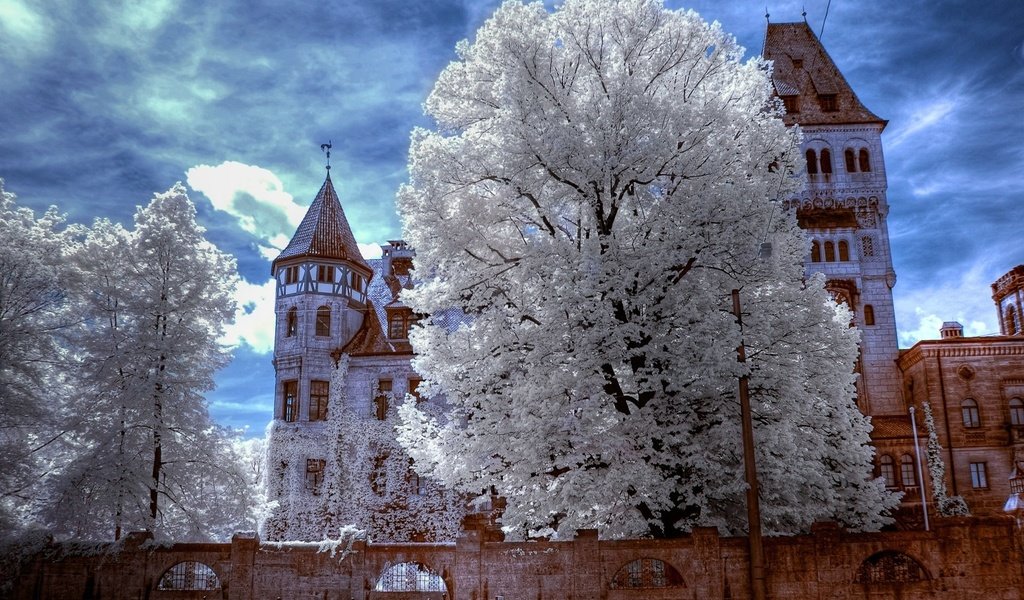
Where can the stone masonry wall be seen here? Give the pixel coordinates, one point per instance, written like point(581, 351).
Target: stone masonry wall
point(959, 559)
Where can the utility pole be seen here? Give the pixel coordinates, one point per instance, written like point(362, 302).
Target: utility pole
point(758, 589)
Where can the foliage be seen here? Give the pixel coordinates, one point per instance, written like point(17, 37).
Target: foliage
point(948, 506)
point(367, 481)
point(600, 179)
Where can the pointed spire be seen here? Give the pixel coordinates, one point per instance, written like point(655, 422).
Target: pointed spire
point(804, 69)
point(324, 232)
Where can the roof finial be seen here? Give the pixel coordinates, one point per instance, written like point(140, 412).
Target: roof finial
point(327, 148)
point(767, 17)
point(804, 13)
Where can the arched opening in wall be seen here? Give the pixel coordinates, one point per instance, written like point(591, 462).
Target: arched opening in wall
point(970, 414)
point(869, 315)
point(323, 321)
point(815, 251)
point(291, 322)
point(646, 573)
point(826, 161)
point(890, 566)
point(189, 576)
point(865, 160)
point(830, 252)
point(887, 470)
point(410, 577)
point(851, 161)
point(1016, 411)
point(907, 474)
point(1011, 320)
point(812, 162)
point(844, 250)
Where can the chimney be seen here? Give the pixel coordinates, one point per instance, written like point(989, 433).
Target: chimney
point(951, 329)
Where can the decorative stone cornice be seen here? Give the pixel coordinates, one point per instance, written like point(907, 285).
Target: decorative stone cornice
point(961, 348)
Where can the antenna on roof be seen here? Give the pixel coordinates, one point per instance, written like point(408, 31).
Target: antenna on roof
point(766, 15)
point(327, 148)
point(822, 30)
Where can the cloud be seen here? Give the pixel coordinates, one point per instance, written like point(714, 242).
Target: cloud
point(951, 296)
point(924, 117)
point(254, 318)
point(253, 195)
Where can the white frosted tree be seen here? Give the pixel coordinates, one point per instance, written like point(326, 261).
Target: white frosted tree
point(32, 315)
point(142, 452)
point(599, 180)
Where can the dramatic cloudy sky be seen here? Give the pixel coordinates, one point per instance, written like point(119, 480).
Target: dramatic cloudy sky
point(103, 104)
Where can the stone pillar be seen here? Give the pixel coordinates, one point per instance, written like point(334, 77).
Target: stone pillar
point(244, 545)
point(586, 566)
point(466, 574)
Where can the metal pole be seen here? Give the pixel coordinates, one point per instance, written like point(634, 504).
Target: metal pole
point(920, 472)
point(757, 581)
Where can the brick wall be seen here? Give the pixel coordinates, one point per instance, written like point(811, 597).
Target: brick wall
point(960, 558)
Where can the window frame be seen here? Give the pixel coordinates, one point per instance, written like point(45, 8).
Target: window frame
point(291, 322)
point(315, 474)
point(979, 475)
point(1016, 406)
point(887, 471)
point(864, 160)
point(908, 474)
point(319, 394)
point(812, 161)
point(969, 414)
point(825, 156)
point(323, 321)
point(851, 160)
point(290, 400)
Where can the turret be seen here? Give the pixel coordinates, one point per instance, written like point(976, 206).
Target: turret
point(1008, 294)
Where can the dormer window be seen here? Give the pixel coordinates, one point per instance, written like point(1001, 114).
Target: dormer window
point(798, 63)
point(399, 321)
point(357, 282)
point(828, 102)
point(792, 104)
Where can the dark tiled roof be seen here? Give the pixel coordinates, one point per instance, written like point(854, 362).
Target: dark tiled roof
point(804, 69)
point(894, 427)
point(324, 231)
point(372, 336)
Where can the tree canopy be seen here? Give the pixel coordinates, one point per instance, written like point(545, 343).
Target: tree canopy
point(599, 179)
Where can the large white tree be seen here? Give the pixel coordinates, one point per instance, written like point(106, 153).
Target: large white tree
point(142, 451)
point(600, 179)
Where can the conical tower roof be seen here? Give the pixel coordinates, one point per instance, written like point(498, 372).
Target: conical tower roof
point(324, 232)
point(804, 69)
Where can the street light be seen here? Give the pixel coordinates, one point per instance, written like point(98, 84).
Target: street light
point(757, 581)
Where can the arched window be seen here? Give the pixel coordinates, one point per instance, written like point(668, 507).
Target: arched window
point(830, 252)
point(844, 250)
point(1016, 411)
point(647, 573)
point(865, 160)
point(812, 162)
point(291, 322)
point(826, 161)
point(323, 321)
point(815, 251)
point(907, 470)
point(969, 410)
point(889, 566)
point(189, 575)
point(869, 314)
point(410, 577)
point(1011, 320)
point(851, 161)
point(887, 469)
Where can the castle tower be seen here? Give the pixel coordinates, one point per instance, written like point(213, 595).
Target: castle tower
point(843, 205)
point(1008, 294)
point(320, 305)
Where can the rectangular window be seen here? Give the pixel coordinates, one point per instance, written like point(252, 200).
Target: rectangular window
point(318, 394)
point(792, 104)
point(357, 282)
point(396, 327)
point(828, 102)
point(380, 401)
point(325, 273)
point(314, 474)
point(290, 402)
point(979, 478)
point(291, 274)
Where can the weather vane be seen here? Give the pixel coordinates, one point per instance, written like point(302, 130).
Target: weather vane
point(327, 148)
point(767, 17)
point(804, 13)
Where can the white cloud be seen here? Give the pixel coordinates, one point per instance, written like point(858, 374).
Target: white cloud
point(25, 30)
point(254, 318)
point(921, 312)
point(924, 117)
point(369, 250)
point(253, 195)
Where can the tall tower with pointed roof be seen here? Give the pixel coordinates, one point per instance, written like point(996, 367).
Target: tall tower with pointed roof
point(843, 206)
point(343, 365)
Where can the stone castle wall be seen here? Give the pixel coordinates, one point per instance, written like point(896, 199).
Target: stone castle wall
point(961, 558)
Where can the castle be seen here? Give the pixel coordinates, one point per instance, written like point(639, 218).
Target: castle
point(331, 302)
point(342, 360)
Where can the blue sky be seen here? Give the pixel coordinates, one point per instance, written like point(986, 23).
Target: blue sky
point(104, 104)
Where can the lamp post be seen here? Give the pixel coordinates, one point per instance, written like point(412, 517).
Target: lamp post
point(757, 581)
point(920, 471)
